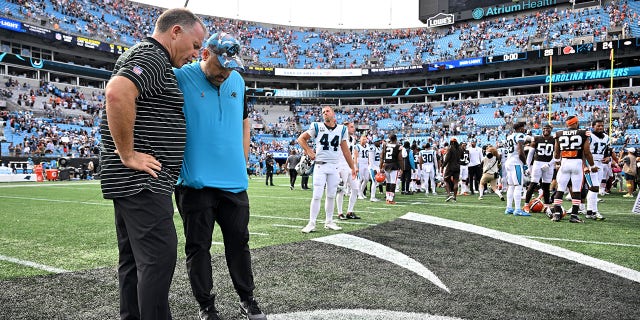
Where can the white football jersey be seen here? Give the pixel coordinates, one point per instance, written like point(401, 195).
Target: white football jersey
point(599, 146)
point(363, 155)
point(328, 141)
point(374, 156)
point(513, 139)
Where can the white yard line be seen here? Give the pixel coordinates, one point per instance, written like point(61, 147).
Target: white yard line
point(383, 252)
point(528, 243)
point(287, 226)
point(58, 200)
point(584, 241)
point(33, 264)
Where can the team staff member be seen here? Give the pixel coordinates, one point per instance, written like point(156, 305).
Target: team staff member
point(218, 137)
point(475, 166)
point(143, 137)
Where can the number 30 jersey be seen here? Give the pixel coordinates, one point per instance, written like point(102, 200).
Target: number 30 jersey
point(327, 141)
point(570, 142)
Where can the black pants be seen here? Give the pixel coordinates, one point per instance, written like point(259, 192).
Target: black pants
point(475, 174)
point(304, 181)
point(405, 180)
point(293, 175)
point(269, 178)
point(147, 248)
point(199, 209)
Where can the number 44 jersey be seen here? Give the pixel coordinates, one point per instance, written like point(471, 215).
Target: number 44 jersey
point(327, 141)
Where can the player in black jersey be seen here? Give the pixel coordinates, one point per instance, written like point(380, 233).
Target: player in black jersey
point(539, 160)
point(390, 162)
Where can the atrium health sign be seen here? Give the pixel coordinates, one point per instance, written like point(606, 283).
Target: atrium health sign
point(439, 20)
point(479, 13)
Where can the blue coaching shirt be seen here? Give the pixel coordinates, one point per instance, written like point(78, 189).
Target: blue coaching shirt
point(214, 152)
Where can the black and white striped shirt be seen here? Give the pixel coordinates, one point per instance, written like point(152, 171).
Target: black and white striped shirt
point(159, 128)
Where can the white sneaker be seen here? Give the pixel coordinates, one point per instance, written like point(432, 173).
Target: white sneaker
point(434, 193)
point(361, 197)
point(311, 227)
point(374, 199)
point(332, 226)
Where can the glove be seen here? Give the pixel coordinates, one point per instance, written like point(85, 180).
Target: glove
point(544, 167)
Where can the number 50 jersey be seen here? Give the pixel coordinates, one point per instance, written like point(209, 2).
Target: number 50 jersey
point(544, 148)
point(327, 141)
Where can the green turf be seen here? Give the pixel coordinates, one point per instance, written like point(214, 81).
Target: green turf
point(69, 226)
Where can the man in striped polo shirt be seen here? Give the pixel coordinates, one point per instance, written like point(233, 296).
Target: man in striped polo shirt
point(143, 137)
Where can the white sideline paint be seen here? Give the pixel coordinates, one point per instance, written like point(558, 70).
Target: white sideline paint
point(357, 314)
point(528, 243)
point(584, 241)
point(58, 200)
point(50, 184)
point(383, 252)
point(33, 265)
point(287, 226)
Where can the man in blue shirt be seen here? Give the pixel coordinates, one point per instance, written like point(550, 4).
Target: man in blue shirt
point(213, 183)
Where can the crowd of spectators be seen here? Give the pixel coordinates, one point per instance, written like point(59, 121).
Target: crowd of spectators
point(125, 22)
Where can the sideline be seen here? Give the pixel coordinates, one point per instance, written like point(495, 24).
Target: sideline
point(33, 264)
point(528, 243)
point(584, 241)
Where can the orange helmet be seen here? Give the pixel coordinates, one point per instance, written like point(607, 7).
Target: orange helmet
point(380, 177)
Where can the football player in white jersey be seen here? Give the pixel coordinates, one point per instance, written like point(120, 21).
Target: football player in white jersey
point(428, 164)
point(349, 185)
point(330, 144)
point(515, 171)
point(599, 143)
point(363, 165)
point(574, 151)
point(374, 167)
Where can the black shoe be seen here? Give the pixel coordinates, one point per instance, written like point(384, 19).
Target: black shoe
point(351, 215)
point(251, 310)
point(272, 185)
point(209, 313)
point(290, 187)
point(575, 219)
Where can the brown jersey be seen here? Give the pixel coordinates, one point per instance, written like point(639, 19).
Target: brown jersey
point(544, 148)
point(390, 152)
point(570, 142)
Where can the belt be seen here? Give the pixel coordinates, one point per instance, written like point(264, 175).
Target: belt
point(321, 162)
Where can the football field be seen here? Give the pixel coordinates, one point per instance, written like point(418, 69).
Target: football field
point(421, 257)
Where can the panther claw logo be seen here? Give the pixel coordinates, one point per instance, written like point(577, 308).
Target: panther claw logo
point(477, 13)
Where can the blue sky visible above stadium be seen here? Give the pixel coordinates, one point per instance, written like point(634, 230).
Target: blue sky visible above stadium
point(343, 14)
